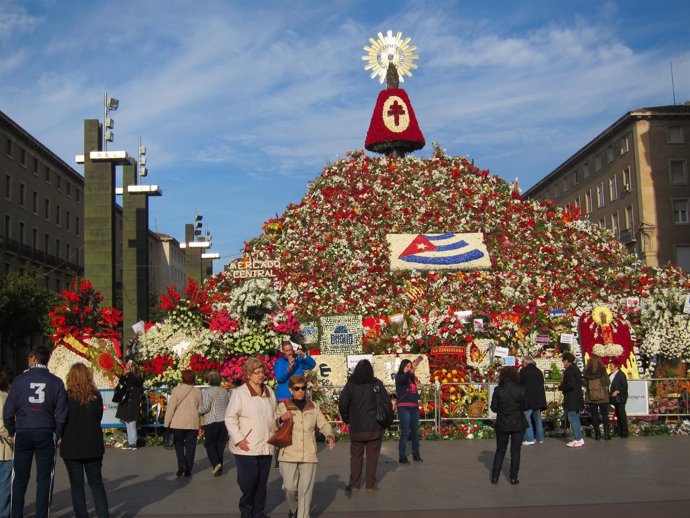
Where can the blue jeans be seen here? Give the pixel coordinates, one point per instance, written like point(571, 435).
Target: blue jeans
point(27, 444)
point(574, 420)
point(538, 427)
point(75, 471)
point(409, 424)
point(5, 487)
point(131, 432)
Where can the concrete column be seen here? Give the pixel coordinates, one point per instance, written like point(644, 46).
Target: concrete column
point(99, 216)
point(135, 252)
point(192, 256)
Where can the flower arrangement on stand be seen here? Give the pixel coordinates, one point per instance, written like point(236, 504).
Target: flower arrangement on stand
point(86, 332)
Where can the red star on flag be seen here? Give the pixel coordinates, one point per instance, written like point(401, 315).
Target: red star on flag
point(418, 245)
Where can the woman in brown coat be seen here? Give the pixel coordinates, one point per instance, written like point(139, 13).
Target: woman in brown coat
point(597, 395)
point(298, 461)
point(182, 417)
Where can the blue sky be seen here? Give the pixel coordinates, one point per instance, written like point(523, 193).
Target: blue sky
point(241, 104)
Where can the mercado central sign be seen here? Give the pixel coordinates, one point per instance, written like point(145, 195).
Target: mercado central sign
point(251, 268)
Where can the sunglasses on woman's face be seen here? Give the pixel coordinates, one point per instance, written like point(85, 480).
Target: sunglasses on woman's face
point(301, 387)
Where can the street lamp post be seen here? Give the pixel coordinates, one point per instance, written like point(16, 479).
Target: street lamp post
point(109, 104)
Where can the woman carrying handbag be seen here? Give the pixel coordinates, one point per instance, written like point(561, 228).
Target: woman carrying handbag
point(182, 417)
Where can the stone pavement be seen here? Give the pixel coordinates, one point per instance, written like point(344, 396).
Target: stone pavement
point(639, 476)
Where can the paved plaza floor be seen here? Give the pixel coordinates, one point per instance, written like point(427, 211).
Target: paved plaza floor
point(638, 476)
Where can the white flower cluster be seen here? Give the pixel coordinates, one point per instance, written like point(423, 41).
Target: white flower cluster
point(667, 327)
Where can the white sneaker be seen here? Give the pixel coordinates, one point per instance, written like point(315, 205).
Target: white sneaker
point(576, 444)
point(528, 443)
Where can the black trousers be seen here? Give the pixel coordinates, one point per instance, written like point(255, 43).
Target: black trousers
point(252, 477)
point(27, 445)
point(215, 441)
point(622, 418)
point(600, 414)
point(185, 448)
point(501, 447)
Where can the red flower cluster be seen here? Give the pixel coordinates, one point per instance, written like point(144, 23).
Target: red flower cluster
point(223, 322)
point(157, 365)
point(284, 322)
point(79, 314)
point(199, 364)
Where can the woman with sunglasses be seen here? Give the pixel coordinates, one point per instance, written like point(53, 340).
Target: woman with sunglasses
point(298, 461)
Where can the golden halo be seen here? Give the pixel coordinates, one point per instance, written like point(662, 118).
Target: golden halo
point(390, 49)
point(602, 315)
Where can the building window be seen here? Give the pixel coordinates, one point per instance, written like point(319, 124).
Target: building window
point(57, 214)
point(588, 202)
point(675, 135)
point(8, 148)
point(46, 209)
point(613, 188)
point(76, 225)
point(629, 218)
point(34, 238)
point(8, 227)
point(58, 180)
point(46, 244)
point(22, 231)
point(602, 223)
point(577, 202)
point(615, 224)
point(585, 171)
point(57, 249)
point(679, 172)
point(625, 145)
point(683, 257)
point(68, 252)
point(22, 194)
point(78, 193)
point(69, 190)
point(574, 178)
point(609, 154)
point(597, 162)
point(47, 174)
point(626, 179)
point(680, 211)
point(600, 195)
point(67, 218)
point(8, 187)
point(564, 184)
point(35, 203)
point(22, 159)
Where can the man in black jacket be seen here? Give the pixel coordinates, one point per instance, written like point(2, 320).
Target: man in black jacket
point(34, 414)
point(619, 397)
point(573, 401)
point(533, 380)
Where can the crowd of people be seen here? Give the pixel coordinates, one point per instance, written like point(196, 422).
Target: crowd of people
point(41, 413)
point(520, 397)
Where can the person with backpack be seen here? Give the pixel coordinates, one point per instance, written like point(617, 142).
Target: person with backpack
point(597, 395)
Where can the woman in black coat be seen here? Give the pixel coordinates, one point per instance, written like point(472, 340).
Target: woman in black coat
point(357, 405)
point(508, 402)
point(573, 402)
point(82, 446)
point(131, 385)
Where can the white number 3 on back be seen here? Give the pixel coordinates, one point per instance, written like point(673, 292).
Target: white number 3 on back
point(39, 389)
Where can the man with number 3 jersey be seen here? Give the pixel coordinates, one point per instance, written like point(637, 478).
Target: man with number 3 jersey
point(34, 415)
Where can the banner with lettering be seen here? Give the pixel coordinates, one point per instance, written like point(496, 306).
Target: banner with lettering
point(341, 334)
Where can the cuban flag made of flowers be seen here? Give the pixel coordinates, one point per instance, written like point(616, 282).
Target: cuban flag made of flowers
point(448, 251)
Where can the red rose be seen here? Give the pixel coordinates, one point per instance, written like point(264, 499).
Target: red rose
point(106, 361)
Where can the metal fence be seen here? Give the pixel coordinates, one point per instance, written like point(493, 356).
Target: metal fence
point(446, 404)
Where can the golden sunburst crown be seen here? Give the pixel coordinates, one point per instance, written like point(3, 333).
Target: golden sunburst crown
point(387, 50)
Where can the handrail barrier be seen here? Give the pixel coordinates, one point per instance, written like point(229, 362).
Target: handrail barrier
point(443, 404)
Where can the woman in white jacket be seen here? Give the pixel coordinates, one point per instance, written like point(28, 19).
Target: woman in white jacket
point(298, 461)
point(182, 417)
point(249, 419)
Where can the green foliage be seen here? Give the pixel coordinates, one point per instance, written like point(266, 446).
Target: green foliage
point(24, 305)
point(556, 374)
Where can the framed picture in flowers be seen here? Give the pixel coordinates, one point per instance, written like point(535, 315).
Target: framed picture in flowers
point(341, 334)
point(309, 329)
